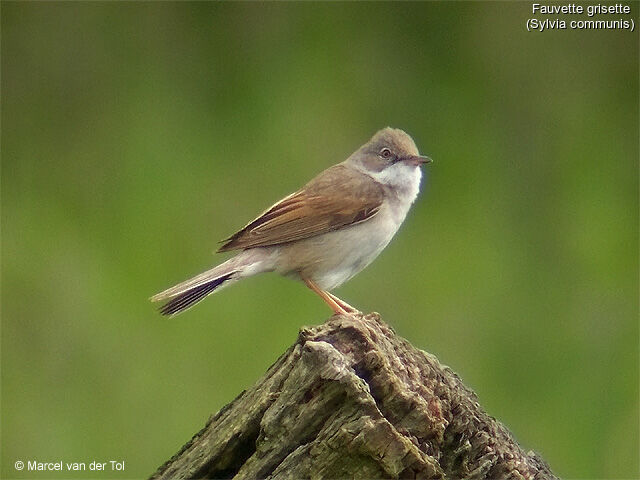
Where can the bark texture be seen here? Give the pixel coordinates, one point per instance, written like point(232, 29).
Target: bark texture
point(351, 399)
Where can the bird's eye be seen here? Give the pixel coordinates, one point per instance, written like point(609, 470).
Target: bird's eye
point(385, 153)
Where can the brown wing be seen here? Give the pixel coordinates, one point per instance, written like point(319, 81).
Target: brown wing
point(337, 197)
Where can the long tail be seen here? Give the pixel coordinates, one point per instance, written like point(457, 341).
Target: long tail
point(186, 294)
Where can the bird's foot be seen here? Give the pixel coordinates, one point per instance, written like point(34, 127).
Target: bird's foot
point(348, 309)
point(338, 306)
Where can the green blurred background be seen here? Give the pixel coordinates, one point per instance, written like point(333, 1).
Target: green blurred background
point(136, 135)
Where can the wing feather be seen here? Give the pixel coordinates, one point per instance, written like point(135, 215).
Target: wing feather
point(336, 198)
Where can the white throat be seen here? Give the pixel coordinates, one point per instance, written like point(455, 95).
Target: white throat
point(401, 179)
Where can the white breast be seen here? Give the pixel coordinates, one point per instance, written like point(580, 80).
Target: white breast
point(333, 258)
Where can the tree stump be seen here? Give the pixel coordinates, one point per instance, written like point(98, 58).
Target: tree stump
point(351, 399)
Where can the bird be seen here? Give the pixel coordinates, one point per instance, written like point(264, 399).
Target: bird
point(324, 233)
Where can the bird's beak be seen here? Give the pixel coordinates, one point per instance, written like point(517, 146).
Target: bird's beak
point(418, 160)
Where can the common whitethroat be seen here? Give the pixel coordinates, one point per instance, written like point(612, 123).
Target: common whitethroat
point(324, 233)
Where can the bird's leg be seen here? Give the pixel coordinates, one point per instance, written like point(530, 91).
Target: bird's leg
point(327, 297)
point(348, 308)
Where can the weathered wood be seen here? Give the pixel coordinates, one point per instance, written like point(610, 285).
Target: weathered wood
point(351, 399)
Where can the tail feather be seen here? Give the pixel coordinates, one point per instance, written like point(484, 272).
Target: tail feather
point(197, 281)
point(191, 291)
point(193, 296)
